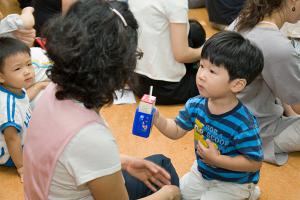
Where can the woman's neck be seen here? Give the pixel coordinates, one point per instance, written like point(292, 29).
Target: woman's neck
point(275, 18)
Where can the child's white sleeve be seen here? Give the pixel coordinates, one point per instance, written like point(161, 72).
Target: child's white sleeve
point(9, 117)
point(10, 23)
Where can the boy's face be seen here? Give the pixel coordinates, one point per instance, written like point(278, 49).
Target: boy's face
point(17, 72)
point(212, 81)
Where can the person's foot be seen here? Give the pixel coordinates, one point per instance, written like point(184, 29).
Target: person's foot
point(255, 193)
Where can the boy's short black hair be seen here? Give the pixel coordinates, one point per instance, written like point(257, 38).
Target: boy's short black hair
point(10, 46)
point(236, 54)
point(94, 51)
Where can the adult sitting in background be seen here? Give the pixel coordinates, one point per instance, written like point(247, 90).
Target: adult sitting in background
point(291, 30)
point(46, 9)
point(222, 12)
point(260, 22)
point(163, 37)
point(196, 4)
point(70, 152)
point(24, 3)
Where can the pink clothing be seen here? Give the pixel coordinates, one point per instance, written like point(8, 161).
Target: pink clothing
point(53, 124)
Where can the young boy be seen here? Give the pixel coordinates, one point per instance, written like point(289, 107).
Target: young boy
point(16, 72)
point(227, 143)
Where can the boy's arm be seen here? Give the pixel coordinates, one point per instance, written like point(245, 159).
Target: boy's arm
point(14, 146)
point(35, 89)
point(211, 156)
point(168, 127)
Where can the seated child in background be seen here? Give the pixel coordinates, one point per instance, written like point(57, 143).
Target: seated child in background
point(16, 72)
point(19, 26)
point(227, 144)
point(23, 25)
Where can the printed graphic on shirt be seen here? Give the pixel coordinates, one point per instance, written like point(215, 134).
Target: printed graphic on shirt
point(199, 134)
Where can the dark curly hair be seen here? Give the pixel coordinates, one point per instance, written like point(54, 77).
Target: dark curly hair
point(94, 53)
point(254, 12)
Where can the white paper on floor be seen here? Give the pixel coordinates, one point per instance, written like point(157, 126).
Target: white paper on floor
point(126, 98)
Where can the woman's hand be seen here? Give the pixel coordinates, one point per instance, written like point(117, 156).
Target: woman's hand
point(25, 35)
point(27, 17)
point(147, 172)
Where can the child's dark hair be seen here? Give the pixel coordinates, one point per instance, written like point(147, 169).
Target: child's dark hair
point(93, 50)
point(235, 53)
point(9, 47)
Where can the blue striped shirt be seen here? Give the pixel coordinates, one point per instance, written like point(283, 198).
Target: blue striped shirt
point(234, 133)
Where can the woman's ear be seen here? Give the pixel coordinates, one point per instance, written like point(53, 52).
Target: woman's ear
point(238, 85)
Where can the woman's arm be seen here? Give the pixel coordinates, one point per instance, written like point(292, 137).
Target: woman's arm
point(181, 50)
point(108, 187)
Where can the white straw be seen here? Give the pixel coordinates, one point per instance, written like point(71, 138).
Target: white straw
point(151, 90)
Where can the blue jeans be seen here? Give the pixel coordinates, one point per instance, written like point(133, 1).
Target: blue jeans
point(137, 189)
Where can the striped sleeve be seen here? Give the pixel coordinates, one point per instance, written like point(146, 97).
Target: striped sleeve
point(7, 113)
point(249, 144)
point(184, 119)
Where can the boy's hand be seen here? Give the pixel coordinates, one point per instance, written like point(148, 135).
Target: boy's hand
point(27, 17)
point(20, 172)
point(209, 155)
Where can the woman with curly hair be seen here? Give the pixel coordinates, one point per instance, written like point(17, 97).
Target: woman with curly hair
point(69, 152)
point(260, 21)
